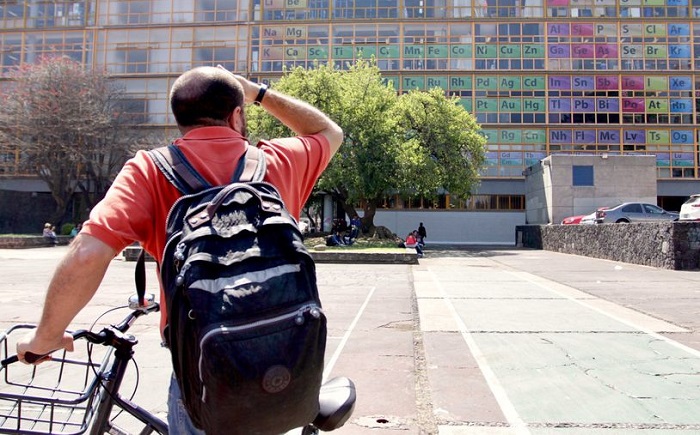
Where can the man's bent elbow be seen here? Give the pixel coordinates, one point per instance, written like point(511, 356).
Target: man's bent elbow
point(89, 251)
point(334, 135)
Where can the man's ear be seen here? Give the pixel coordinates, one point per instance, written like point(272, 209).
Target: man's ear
point(235, 121)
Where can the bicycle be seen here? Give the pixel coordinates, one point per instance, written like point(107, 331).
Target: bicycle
point(71, 396)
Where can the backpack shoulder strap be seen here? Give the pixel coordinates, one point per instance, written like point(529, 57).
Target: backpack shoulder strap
point(180, 172)
point(251, 166)
point(177, 169)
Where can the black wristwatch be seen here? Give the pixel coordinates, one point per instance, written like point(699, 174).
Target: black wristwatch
point(261, 94)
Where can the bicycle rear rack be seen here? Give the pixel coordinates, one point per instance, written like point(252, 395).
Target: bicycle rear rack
point(56, 397)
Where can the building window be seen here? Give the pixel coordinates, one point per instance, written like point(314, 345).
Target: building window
point(449, 202)
point(583, 175)
point(217, 10)
point(134, 12)
point(135, 109)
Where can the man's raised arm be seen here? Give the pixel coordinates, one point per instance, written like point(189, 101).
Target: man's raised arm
point(302, 118)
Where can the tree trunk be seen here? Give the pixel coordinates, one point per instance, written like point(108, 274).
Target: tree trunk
point(370, 210)
point(58, 213)
point(348, 209)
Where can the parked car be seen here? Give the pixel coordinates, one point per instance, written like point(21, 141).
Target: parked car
point(690, 210)
point(572, 220)
point(634, 212)
point(589, 219)
point(584, 219)
point(306, 225)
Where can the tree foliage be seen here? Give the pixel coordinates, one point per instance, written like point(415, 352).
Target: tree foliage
point(69, 127)
point(412, 144)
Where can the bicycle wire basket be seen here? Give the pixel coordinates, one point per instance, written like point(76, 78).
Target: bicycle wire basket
point(58, 396)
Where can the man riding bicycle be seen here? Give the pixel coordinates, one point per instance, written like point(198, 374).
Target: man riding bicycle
point(208, 105)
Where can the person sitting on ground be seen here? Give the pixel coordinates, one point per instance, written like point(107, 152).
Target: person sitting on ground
point(76, 229)
point(412, 242)
point(50, 233)
point(355, 224)
point(336, 239)
point(347, 239)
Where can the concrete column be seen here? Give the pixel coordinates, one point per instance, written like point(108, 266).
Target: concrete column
point(327, 212)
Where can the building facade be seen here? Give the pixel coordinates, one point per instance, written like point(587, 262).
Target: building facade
point(542, 77)
point(551, 196)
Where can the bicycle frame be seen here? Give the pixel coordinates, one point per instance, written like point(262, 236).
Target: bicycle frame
point(109, 398)
point(111, 380)
point(103, 387)
point(337, 396)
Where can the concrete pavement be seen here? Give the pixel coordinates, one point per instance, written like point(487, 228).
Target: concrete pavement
point(474, 341)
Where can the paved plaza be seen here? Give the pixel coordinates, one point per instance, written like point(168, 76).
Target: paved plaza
point(484, 340)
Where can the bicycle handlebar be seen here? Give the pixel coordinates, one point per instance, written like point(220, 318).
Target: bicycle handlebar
point(108, 336)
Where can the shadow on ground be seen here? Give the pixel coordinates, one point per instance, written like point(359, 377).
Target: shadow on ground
point(437, 251)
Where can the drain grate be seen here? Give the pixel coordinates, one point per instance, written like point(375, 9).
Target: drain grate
point(381, 422)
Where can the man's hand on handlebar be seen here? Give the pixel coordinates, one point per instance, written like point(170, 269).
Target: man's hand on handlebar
point(31, 346)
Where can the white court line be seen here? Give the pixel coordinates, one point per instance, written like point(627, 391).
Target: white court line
point(542, 282)
point(329, 367)
point(516, 423)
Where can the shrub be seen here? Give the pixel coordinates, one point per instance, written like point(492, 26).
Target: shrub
point(66, 229)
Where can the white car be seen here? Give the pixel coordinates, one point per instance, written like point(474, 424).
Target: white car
point(306, 225)
point(589, 219)
point(690, 210)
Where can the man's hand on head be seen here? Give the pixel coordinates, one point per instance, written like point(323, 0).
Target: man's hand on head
point(250, 89)
point(299, 116)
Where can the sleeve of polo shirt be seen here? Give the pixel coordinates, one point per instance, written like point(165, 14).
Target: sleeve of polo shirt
point(126, 212)
point(294, 166)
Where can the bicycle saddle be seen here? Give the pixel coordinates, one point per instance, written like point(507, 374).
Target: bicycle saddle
point(337, 401)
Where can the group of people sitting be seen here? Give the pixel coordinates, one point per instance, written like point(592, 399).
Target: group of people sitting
point(49, 233)
point(342, 234)
point(413, 240)
point(416, 239)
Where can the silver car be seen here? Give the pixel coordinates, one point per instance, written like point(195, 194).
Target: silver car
point(634, 212)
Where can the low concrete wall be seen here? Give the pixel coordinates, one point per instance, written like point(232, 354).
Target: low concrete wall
point(9, 242)
point(667, 245)
point(131, 253)
point(455, 227)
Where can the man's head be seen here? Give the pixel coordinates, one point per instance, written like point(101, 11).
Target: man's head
point(208, 96)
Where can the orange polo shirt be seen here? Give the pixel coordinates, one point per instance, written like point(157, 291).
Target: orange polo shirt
point(137, 204)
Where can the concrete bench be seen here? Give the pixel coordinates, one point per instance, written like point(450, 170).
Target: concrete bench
point(131, 253)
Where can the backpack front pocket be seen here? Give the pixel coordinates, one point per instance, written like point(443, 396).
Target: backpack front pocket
point(274, 363)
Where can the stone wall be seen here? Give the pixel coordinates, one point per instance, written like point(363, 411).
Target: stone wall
point(11, 242)
point(667, 245)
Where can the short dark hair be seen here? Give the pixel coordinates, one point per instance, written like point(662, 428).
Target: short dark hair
point(205, 96)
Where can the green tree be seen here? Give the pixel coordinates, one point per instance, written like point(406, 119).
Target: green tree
point(415, 143)
point(450, 150)
point(69, 126)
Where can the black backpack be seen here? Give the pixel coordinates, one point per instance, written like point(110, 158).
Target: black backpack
point(245, 326)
